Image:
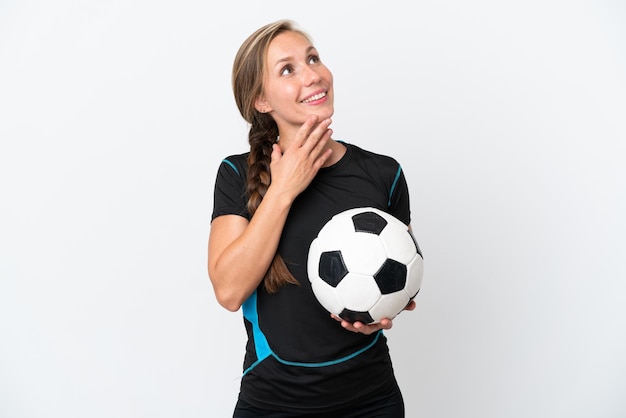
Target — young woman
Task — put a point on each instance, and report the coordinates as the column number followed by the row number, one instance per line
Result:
column 269, row 205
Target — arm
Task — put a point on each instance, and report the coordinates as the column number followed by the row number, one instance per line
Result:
column 240, row 252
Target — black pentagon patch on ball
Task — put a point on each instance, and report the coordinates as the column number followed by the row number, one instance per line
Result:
column 332, row 268
column 353, row 316
column 391, row 277
column 370, row 222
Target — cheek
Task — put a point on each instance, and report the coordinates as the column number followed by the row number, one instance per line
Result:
column 282, row 93
column 329, row 75
column 290, row 90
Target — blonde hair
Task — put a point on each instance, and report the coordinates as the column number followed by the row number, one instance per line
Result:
column 247, row 82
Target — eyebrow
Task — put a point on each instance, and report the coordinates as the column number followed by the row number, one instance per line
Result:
column 290, row 58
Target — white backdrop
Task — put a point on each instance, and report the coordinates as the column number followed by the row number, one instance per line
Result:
column 509, row 121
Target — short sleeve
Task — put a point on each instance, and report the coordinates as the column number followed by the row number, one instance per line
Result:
column 229, row 197
column 399, row 202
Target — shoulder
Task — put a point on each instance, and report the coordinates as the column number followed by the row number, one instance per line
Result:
column 373, row 160
column 236, row 163
column 365, row 153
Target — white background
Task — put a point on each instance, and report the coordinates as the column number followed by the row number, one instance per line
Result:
column 509, row 121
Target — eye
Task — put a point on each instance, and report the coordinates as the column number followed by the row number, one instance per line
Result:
column 314, row 59
column 286, row 70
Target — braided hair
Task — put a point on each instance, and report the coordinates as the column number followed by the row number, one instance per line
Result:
column 247, row 82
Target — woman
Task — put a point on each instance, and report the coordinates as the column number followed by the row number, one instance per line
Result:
column 269, row 205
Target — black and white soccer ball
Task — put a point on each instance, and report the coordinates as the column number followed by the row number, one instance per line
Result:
column 365, row 265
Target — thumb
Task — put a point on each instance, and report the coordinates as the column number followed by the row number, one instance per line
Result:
column 277, row 153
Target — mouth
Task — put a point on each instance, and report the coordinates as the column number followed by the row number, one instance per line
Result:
column 315, row 97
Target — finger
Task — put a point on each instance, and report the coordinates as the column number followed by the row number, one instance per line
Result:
column 320, row 159
column 319, row 136
column 318, row 145
column 305, row 130
column 386, row 323
column 349, row 326
column 277, row 153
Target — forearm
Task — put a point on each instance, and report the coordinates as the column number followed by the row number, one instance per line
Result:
column 237, row 269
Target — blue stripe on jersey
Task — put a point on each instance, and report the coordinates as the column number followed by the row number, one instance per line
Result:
column 232, row 165
column 330, row 363
column 393, row 186
column 262, row 347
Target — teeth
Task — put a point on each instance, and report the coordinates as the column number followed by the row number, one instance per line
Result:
column 313, row 98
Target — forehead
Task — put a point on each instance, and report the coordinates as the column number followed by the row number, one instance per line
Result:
column 287, row 45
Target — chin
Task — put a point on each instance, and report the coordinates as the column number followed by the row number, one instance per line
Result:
column 324, row 114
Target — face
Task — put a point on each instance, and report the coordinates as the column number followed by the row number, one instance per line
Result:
column 296, row 83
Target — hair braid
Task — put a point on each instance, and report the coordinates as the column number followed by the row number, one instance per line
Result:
column 247, row 81
column 263, row 134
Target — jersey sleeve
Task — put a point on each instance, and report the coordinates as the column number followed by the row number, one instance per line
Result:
column 399, row 202
column 229, row 197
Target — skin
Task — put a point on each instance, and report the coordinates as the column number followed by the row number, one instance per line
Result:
column 238, row 257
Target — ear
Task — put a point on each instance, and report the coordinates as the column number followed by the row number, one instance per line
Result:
column 262, row 105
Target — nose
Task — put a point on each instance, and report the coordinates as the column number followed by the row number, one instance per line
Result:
column 311, row 76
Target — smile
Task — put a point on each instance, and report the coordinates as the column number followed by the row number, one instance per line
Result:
column 314, row 98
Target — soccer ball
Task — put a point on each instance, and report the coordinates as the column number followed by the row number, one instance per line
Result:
column 365, row 265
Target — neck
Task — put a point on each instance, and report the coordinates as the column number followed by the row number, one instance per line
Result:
column 339, row 150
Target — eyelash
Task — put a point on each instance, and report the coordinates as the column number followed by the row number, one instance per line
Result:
column 286, row 68
column 312, row 59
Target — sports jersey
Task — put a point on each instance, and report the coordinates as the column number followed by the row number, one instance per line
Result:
column 297, row 358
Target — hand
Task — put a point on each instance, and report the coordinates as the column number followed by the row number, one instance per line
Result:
column 366, row 329
column 294, row 169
